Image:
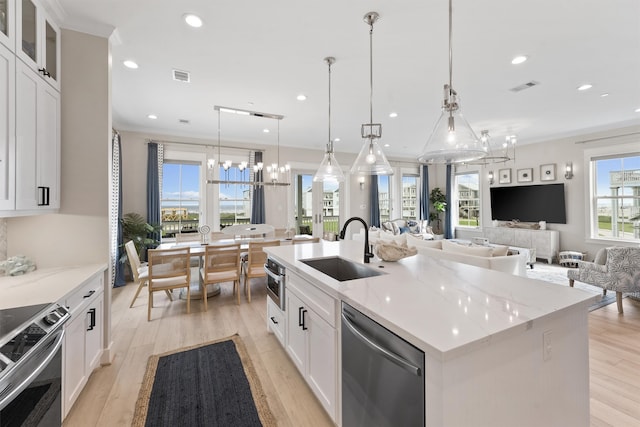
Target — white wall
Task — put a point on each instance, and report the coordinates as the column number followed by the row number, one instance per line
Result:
column 80, row 232
column 573, row 234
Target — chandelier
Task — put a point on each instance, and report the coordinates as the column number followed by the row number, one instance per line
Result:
column 371, row 160
column 496, row 153
column 452, row 139
column 329, row 169
column 278, row 175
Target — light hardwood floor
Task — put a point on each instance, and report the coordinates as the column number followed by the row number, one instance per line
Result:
column 111, row 393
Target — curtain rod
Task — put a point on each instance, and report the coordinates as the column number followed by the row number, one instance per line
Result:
column 607, row 137
column 202, row 144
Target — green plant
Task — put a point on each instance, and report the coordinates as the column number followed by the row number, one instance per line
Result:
column 143, row 234
column 439, row 202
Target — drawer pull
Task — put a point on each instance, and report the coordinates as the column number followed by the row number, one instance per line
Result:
column 89, row 294
column 273, row 319
column 92, row 319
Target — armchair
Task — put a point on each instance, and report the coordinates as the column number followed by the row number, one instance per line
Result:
column 616, row 269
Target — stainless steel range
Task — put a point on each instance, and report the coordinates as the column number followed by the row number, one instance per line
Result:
column 31, row 365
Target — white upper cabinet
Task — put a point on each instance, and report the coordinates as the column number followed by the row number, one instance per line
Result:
column 38, row 40
column 7, row 24
column 7, row 129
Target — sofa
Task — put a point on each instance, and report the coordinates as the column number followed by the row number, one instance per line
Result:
column 399, row 226
column 491, row 257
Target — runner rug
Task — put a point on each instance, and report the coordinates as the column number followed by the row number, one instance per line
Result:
column 211, row 384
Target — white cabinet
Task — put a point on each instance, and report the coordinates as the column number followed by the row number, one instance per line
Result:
column 7, row 128
column 37, row 142
column 7, row 23
column 545, row 242
column 38, row 40
column 311, row 338
column 83, row 338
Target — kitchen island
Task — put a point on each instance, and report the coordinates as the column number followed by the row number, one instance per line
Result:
column 499, row 349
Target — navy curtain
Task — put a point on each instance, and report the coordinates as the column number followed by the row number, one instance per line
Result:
column 116, row 160
column 257, row 207
column 448, row 222
column 153, row 188
column 374, row 210
column 424, row 194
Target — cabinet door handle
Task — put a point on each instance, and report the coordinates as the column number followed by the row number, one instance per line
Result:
column 92, row 319
column 44, row 72
column 273, row 319
column 43, row 196
column 300, row 315
column 89, row 294
column 304, row 328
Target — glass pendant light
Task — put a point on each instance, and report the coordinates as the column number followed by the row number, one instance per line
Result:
column 371, row 160
column 452, row 139
column 329, row 169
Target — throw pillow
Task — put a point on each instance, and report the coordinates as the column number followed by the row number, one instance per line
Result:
column 500, row 250
column 601, row 257
column 396, row 229
column 386, row 226
column 480, row 251
column 404, row 230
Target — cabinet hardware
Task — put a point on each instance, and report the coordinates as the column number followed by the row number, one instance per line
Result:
column 273, row 319
column 92, row 319
column 300, row 315
column 304, row 327
column 44, row 72
column 43, row 196
column 89, row 294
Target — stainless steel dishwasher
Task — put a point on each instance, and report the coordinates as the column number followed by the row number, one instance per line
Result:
column 382, row 375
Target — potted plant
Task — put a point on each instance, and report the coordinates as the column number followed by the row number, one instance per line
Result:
column 439, row 202
column 136, row 228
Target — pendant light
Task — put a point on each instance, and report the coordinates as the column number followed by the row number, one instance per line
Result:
column 371, row 160
column 329, row 169
column 495, row 152
column 452, row 139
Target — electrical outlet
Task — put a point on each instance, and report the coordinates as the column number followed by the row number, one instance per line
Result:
column 546, row 346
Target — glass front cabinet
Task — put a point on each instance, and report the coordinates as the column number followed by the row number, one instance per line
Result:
column 7, row 24
column 38, row 40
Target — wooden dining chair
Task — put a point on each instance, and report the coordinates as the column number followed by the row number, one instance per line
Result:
column 301, row 241
column 221, row 265
column 169, row 269
column 219, row 235
column 140, row 272
column 254, row 265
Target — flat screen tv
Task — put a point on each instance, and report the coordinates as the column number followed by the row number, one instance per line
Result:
column 529, row 203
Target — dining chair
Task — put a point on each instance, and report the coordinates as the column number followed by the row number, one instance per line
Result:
column 188, row 237
column 299, row 241
column 169, row 269
column 219, row 235
column 140, row 272
column 280, row 233
column 254, row 265
column 221, row 264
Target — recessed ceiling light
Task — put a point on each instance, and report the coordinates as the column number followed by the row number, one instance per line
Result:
column 637, row 110
column 585, row 86
column 604, row 94
column 130, row 64
column 192, row 20
column 265, row 130
column 519, row 59
column 152, row 116
column 386, row 145
column 301, row 97
column 393, row 115
column 336, row 139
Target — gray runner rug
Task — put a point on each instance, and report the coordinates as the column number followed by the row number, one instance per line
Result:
column 211, row 384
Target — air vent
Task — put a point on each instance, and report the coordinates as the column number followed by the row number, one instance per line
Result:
column 524, row 86
column 183, row 121
column 181, row 76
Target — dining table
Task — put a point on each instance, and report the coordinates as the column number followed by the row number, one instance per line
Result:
column 247, row 230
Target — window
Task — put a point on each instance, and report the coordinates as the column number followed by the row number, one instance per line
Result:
column 467, row 192
column 616, row 197
column 180, row 201
column 234, row 198
column 384, row 199
column 410, row 207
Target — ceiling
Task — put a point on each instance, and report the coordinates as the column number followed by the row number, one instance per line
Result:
column 258, row 55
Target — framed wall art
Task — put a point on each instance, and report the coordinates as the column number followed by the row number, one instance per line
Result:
column 548, row 172
column 504, row 176
column 525, row 175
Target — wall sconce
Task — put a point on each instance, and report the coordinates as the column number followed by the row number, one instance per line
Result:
column 568, row 170
column 361, row 180
column 490, row 177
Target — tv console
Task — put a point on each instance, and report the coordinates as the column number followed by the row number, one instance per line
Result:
column 545, row 242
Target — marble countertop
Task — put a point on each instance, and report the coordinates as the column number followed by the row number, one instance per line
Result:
column 442, row 307
column 47, row 285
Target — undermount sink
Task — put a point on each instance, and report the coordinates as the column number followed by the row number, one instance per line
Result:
column 341, row 269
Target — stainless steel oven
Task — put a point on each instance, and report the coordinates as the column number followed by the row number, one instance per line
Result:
column 275, row 281
column 31, row 365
